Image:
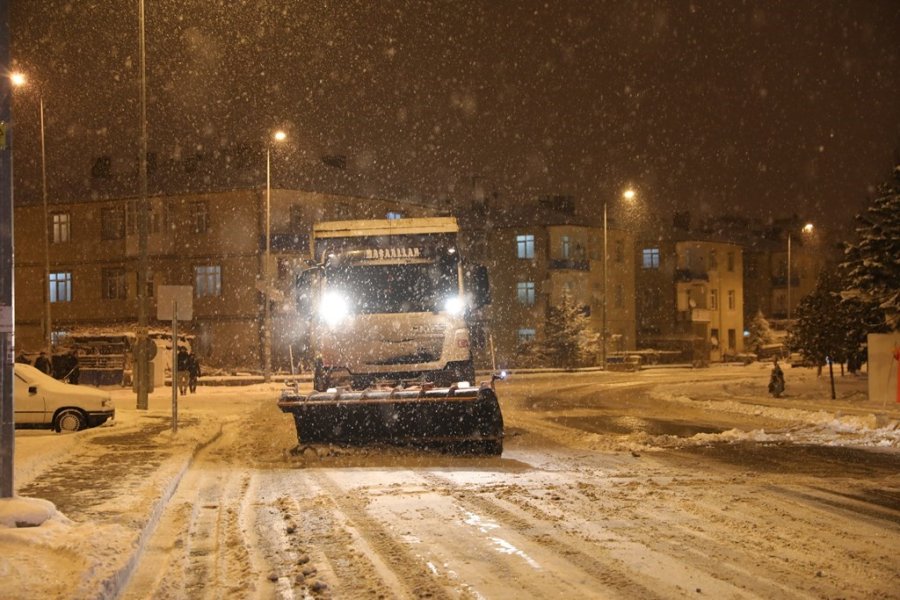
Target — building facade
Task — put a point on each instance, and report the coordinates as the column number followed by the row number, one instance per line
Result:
column 691, row 298
column 543, row 252
column 213, row 242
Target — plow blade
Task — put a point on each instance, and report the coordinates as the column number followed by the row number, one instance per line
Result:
column 465, row 419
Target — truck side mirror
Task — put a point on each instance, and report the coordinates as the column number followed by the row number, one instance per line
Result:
column 479, row 286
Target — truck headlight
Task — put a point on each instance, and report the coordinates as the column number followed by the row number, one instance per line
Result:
column 333, row 308
column 454, row 305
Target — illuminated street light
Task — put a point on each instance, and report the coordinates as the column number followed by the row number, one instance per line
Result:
column 19, row 80
column 808, row 228
column 628, row 194
column 278, row 136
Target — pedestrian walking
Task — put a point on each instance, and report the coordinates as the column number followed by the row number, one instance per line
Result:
column 182, row 364
column 193, row 371
column 776, row 380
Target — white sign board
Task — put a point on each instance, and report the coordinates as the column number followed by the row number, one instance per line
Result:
column 168, row 296
column 884, row 363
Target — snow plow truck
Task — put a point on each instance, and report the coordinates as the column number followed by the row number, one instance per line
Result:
column 388, row 308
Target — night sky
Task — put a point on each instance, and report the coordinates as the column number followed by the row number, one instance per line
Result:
column 766, row 108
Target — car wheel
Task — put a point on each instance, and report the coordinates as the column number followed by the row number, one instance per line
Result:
column 69, row 420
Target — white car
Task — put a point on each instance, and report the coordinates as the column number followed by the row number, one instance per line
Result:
column 41, row 401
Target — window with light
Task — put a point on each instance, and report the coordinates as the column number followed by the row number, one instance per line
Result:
column 525, row 246
column 650, row 258
column 207, row 281
column 525, row 292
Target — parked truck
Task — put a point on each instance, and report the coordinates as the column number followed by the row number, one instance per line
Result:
column 388, row 307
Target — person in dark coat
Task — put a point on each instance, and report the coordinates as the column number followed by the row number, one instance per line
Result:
column 74, row 370
column 193, row 372
column 42, row 363
column 23, row 359
column 182, row 362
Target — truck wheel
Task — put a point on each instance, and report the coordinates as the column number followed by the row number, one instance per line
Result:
column 69, row 420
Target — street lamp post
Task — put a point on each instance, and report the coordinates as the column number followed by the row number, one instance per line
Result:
column 278, row 136
column 806, row 229
column 18, row 80
column 628, row 194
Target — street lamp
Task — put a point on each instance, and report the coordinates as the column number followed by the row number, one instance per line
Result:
column 19, row 80
column 805, row 229
column 628, row 194
column 278, row 136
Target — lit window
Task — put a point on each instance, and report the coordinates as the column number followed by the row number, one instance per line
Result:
column 207, row 281
column 61, row 227
column 61, row 287
column 525, row 246
column 525, row 292
column 113, row 281
column 650, row 258
column 714, row 299
column 393, row 216
column 526, row 334
column 565, row 246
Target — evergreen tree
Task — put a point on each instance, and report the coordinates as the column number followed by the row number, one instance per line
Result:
column 873, row 261
column 760, row 332
column 820, row 329
column 566, row 335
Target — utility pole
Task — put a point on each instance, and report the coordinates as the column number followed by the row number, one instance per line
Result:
column 7, row 280
column 141, row 354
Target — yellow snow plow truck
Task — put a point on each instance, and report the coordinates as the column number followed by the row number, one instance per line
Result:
column 389, row 305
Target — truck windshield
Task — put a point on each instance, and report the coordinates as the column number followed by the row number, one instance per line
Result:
column 395, row 288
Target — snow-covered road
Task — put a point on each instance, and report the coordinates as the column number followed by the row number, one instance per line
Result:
column 661, row 484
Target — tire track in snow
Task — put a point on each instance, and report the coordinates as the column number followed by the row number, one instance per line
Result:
column 603, row 569
column 408, row 577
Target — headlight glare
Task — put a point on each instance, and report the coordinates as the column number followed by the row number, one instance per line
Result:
column 454, row 305
column 333, row 308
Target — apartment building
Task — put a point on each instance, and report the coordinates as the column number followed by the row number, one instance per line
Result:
column 213, row 242
column 691, row 297
column 542, row 250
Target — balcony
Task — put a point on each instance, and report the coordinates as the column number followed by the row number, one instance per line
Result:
column 694, row 315
column 701, row 315
column 689, row 275
column 570, row 264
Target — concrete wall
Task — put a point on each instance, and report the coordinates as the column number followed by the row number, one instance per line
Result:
column 883, row 367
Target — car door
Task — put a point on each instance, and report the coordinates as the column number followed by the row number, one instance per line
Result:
column 30, row 408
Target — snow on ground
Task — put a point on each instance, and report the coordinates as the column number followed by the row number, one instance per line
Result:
column 848, row 420
column 36, row 539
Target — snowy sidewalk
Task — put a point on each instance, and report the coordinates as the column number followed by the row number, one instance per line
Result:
column 109, row 486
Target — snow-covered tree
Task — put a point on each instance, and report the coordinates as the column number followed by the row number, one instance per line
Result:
column 567, row 338
column 872, row 263
column 760, row 332
column 821, row 326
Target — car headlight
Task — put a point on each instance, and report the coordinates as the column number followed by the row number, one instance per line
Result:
column 454, row 305
column 333, row 308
